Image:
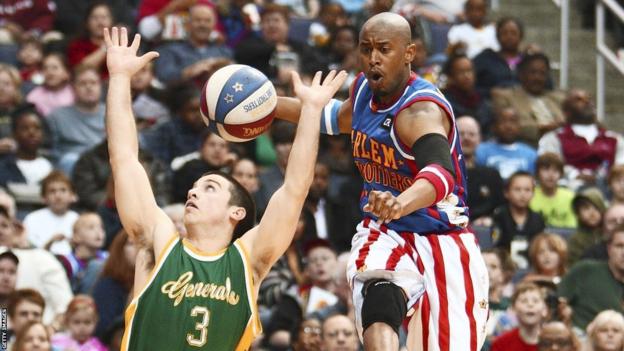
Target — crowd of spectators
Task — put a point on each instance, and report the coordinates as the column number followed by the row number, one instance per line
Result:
column 545, row 178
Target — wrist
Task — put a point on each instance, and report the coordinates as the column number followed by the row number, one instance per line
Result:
column 119, row 76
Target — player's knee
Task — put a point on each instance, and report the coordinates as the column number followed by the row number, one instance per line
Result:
column 384, row 302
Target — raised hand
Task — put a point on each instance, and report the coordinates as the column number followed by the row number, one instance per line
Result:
column 122, row 59
column 384, row 206
column 318, row 94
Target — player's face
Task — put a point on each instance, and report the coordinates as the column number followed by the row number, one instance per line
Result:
column 385, row 60
column 339, row 334
column 36, row 339
column 8, row 276
column 530, row 308
column 81, row 324
column 208, row 200
column 25, row 312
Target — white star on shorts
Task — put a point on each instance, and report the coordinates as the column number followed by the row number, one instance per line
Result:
column 229, row 98
column 237, row 87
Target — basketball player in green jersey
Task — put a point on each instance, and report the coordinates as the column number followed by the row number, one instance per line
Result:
column 201, row 292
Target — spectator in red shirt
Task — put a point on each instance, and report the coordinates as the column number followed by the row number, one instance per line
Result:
column 529, row 305
column 88, row 50
column 26, row 17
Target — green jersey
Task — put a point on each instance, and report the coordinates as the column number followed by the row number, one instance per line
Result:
column 194, row 301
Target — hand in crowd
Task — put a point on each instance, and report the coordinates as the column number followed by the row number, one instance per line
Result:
column 7, row 145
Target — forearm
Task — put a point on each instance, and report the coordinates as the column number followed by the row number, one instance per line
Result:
column 120, row 124
column 419, row 195
column 288, row 109
column 304, row 151
column 94, row 59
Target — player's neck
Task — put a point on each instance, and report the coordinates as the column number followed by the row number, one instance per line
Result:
column 208, row 241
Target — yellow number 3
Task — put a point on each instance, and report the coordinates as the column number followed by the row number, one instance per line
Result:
column 202, row 327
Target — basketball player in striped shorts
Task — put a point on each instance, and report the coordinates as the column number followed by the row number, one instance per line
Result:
column 412, row 257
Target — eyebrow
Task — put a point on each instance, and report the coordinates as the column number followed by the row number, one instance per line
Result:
column 213, row 181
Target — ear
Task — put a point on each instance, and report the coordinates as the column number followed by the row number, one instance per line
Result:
column 410, row 52
column 238, row 213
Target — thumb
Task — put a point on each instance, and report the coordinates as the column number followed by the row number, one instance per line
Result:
column 149, row 57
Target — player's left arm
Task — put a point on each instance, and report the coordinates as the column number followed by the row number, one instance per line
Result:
column 424, row 126
column 270, row 239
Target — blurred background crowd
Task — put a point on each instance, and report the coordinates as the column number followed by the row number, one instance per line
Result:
column 545, row 177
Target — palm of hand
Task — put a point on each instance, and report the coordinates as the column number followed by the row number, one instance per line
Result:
column 122, row 60
column 318, row 93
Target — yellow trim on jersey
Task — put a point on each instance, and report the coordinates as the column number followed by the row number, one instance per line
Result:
column 254, row 327
column 131, row 309
column 189, row 245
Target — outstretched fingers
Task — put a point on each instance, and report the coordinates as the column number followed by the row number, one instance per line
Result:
column 123, row 37
column 149, row 57
column 115, row 36
column 107, row 38
column 136, row 42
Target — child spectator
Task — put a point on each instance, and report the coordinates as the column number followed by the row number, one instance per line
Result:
column 475, row 34
column 34, row 337
column 589, row 208
column 505, row 152
column 56, row 90
column 548, row 257
column 606, row 332
column 530, row 308
column 615, row 181
column 22, row 172
column 498, row 303
column 80, row 320
column 56, row 219
column 553, row 202
column 29, row 58
column 514, row 223
column 84, row 263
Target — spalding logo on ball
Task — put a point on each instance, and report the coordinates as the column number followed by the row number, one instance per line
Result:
column 238, row 103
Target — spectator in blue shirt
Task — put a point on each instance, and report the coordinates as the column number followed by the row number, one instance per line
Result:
column 505, row 152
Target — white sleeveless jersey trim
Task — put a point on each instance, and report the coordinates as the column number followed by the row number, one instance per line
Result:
column 249, row 285
column 357, row 95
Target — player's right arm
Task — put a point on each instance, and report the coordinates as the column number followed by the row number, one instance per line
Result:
column 289, row 109
column 140, row 215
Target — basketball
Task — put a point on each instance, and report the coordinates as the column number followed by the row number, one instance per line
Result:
column 238, row 103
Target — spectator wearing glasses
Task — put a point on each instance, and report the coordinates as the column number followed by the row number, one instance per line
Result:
column 309, row 336
column 557, row 336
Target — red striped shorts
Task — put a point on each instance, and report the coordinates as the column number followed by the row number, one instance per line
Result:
column 444, row 277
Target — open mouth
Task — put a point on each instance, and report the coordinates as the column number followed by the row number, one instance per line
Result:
column 190, row 205
column 375, row 77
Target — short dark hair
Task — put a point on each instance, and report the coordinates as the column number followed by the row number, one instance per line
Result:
column 4, row 212
column 55, row 176
column 23, row 110
column 529, row 58
column 515, row 175
column 20, row 295
column 239, row 197
column 275, row 8
column 549, row 159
